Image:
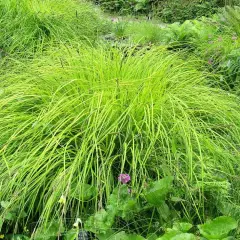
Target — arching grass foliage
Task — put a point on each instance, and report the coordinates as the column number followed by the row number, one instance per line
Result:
column 80, row 117
column 28, row 26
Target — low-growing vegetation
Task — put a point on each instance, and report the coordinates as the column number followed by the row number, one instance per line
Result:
column 30, row 26
column 117, row 128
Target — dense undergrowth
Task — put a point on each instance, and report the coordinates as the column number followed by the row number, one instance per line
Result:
column 169, row 11
column 117, row 130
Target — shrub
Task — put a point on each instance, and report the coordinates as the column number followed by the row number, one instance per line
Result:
column 71, row 122
column 181, row 10
column 127, row 6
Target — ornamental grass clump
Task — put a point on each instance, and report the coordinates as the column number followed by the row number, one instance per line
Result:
column 72, row 122
column 28, row 26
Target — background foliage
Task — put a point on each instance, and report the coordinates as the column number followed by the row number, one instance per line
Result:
column 167, row 11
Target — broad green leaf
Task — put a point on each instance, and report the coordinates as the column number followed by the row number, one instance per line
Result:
column 169, row 235
column 182, row 226
column 100, row 222
column 122, row 203
column 152, row 236
column 83, row 193
column 135, row 237
column 158, row 190
column 124, row 236
column 164, row 211
column 71, row 234
column 106, row 235
column 12, row 215
column 176, row 199
column 218, row 228
column 50, row 231
column 184, row 236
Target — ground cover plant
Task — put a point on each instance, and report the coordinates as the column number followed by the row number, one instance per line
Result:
column 75, row 119
column 29, row 26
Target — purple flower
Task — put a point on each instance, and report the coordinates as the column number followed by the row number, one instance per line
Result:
column 124, row 178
